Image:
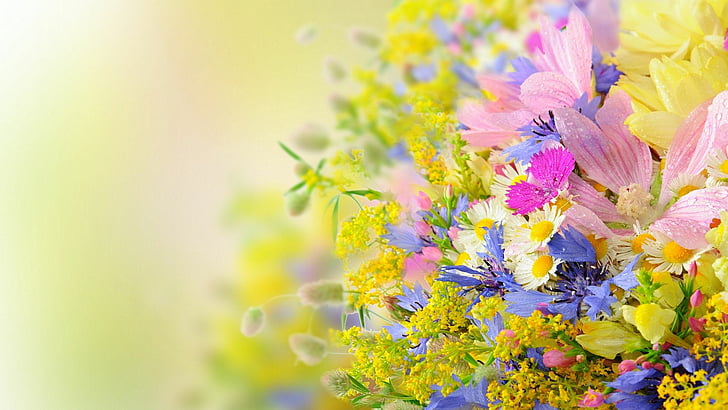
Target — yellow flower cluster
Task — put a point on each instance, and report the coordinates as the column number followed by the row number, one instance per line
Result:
column 533, row 331
column 444, row 358
column 445, row 313
column 358, row 233
column 376, row 354
column 560, row 387
column 713, row 345
column 375, row 278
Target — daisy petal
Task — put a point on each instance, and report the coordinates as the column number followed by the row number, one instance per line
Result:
column 688, row 220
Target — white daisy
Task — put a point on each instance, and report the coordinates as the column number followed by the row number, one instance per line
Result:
column 535, row 269
column 537, row 232
column 482, row 216
column 685, row 183
column 668, row 255
column 512, row 174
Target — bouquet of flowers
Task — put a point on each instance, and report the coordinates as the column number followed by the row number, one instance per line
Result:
column 541, row 203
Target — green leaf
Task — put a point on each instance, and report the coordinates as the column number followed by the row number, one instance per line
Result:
column 290, row 152
column 357, row 385
column 297, row 186
column 335, row 217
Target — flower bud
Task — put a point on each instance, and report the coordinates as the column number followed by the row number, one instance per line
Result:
column 334, row 71
column 309, row 349
column 627, row 366
column 306, row 34
column 400, row 405
column 432, row 253
column 696, row 299
column 253, row 321
column 697, row 325
column 321, row 292
column 364, row 37
column 336, row 382
column 557, row 358
column 592, row 398
column 423, row 201
column 297, row 202
column 312, row 137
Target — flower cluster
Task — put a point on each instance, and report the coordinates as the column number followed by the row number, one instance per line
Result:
column 543, row 207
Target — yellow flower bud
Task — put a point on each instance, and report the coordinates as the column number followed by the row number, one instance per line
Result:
column 652, row 321
column 606, row 339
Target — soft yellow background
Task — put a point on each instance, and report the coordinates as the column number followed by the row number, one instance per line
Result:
column 125, row 129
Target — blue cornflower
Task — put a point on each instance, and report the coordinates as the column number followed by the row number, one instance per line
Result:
column 412, row 299
column 587, row 108
column 466, row 395
column 523, row 68
column 637, row 390
column 600, row 300
column 627, row 280
column 575, row 282
column 607, row 75
column 404, row 237
column 679, row 357
column 465, row 73
column 442, row 31
column 572, row 246
column 486, row 281
column 423, row 73
column 537, row 132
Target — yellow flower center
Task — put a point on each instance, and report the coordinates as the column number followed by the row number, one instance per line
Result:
column 724, row 167
column 686, row 190
column 639, row 241
column 462, row 258
column 542, row 266
column 675, row 253
column 541, row 231
column 599, row 244
column 482, row 226
column 518, row 179
column 562, row 204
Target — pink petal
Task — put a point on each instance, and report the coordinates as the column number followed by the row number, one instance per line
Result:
column 688, row 220
column 604, row 23
column 505, row 93
column 568, row 52
column 547, row 91
column 611, row 118
column 682, row 149
column 488, row 129
column 584, row 194
column 525, row 197
column 609, row 161
column 551, row 167
column 586, row 221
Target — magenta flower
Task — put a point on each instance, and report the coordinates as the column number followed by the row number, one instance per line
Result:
column 548, row 175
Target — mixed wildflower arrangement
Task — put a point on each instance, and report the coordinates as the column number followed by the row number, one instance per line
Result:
column 542, row 208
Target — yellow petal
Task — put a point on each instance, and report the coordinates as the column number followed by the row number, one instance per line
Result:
column 606, row 339
column 656, row 128
column 652, row 321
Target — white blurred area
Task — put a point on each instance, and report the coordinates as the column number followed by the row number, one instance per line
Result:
column 125, row 129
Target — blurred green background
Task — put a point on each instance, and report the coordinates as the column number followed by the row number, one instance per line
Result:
column 126, row 130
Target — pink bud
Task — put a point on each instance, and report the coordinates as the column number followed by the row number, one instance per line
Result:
column 448, row 191
column 424, row 201
column 592, row 398
column 453, row 232
column 557, row 358
column 696, row 325
column 696, row 299
column 454, row 48
column 508, row 333
column 432, row 253
column 693, row 270
column 422, row 228
column 659, row 367
column 646, row 365
column 468, row 11
column 627, row 366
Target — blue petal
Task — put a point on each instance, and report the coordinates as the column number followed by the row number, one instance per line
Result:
column 570, row 245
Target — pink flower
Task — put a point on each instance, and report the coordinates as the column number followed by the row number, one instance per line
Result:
column 548, row 175
column 557, row 358
column 627, row 366
column 592, row 398
column 432, row 253
column 696, row 325
column 696, row 299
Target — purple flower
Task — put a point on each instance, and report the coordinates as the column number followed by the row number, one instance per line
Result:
column 572, row 246
column 600, row 300
column 403, row 237
column 412, row 299
column 626, row 280
column 537, row 133
column 607, row 75
column 548, row 174
column 523, row 68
